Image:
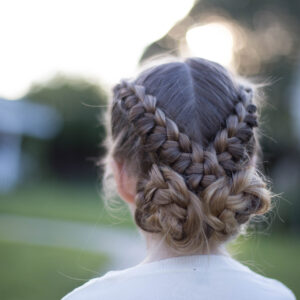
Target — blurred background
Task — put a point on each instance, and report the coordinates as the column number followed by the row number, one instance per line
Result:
column 58, row 61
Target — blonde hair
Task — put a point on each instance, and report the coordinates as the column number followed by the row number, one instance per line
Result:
column 187, row 131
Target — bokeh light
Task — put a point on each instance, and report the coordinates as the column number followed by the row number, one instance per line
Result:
column 212, row 41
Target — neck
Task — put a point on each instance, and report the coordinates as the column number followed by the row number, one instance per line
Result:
column 158, row 249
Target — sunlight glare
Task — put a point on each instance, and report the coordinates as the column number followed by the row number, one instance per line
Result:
column 213, row 41
column 100, row 40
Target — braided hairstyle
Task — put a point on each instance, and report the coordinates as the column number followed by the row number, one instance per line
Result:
column 187, row 130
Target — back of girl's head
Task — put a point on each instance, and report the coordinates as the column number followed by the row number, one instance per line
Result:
column 186, row 131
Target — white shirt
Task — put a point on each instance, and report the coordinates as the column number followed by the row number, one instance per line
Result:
column 183, row 278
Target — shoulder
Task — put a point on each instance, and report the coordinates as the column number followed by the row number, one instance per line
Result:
column 271, row 288
column 259, row 286
column 127, row 283
column 275, row 288
column 92, row 287
column 230, row 281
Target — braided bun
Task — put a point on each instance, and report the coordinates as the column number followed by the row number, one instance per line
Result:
column 195, row 184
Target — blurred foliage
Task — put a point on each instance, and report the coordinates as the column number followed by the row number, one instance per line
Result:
column 52, row 199
column 72, row 153
column 40, row 272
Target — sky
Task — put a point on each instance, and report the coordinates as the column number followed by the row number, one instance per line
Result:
column 100, row 40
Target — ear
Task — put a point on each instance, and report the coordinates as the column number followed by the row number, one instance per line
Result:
column 126, row 184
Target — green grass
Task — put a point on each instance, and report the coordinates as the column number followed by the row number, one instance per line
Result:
column 275, row 256
column 36, row 272
column 73, row 202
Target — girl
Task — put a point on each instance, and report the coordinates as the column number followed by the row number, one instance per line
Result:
column 184, row 151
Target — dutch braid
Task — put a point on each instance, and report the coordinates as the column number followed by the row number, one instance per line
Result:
column 183, row 171
column 190, row 192
column 161, row 136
